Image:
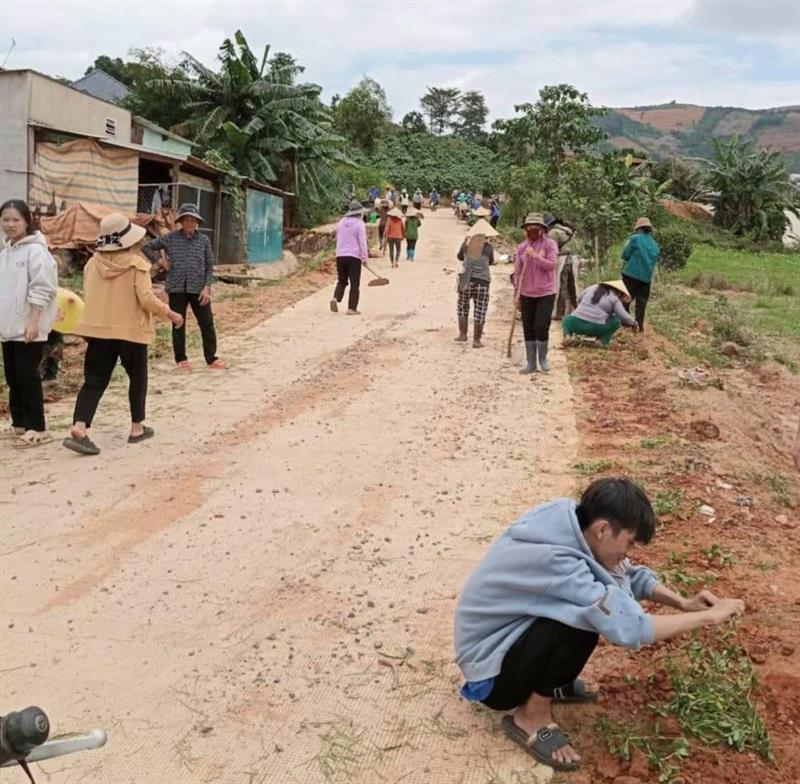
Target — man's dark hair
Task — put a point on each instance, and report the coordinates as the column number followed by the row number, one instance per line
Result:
column 623, row 503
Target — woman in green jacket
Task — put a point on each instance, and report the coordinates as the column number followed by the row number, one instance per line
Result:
column 413, row 222
column 641, row 254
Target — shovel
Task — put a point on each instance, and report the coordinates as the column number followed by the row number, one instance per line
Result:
column 379, row 281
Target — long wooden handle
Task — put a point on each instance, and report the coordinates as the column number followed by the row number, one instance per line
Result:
column 511, row 331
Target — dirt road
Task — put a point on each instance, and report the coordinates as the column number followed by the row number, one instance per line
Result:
column 264, row 592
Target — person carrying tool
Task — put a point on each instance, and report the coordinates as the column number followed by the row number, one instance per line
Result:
column 535, row 289
column 476, row 254
column 351, row 252
column 641, row 254
column 568, row 267
column 532, row 612
column 189, row 277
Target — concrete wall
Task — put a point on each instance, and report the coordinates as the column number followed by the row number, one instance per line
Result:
column 63, row 108
column 14, row 98
column 153, row 140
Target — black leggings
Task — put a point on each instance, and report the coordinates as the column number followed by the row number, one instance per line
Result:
column 178, row 301
column 21, row 364
column 348, row 270
column 98, row 365
column 639, row 291
column 394, row 249
column 548, row 655
column 536, row 313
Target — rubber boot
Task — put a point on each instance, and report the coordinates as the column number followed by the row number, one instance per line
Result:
column 476, row 336
column 463, row 325
column 544, row 363
column 412, row 252
column 530, row 353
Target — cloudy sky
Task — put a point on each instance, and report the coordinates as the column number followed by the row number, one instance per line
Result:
column 621, row 52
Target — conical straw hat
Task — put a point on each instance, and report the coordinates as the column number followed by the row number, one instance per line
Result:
column 619, row 286
column 484, row 228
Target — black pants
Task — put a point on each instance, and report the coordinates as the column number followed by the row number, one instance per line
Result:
column 394, row 249
column 494, row 220
column 178, row 301
column 411, row 244
column 21, row 365
column 549, row 654
column 98, row 365
column 348, row 270
column 536, row 313
column 640, row 291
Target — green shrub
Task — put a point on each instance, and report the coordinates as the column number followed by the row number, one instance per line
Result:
column 676, row 247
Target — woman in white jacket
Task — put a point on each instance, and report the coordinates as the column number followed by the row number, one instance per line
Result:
column 28, row 281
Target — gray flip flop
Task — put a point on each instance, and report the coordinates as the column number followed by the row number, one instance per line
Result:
column 83, row 446
column 574, row 692
column 541, row 745
column 146, row 433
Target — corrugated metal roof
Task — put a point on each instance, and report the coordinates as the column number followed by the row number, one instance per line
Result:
column 101, row 85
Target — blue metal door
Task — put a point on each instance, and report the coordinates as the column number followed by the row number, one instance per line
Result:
column 264, row 227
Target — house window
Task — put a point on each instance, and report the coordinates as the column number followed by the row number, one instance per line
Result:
column 111, row 127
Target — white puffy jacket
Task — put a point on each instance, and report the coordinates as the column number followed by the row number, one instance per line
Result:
column 28, row 277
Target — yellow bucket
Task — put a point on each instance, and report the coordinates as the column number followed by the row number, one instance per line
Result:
column 70, row 311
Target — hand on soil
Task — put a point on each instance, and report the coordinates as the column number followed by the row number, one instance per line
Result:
column 725, row 609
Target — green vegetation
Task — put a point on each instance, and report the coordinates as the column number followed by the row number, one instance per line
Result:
column 668, row 501
column 592, row 467
column 676, row 247
column 712, row 700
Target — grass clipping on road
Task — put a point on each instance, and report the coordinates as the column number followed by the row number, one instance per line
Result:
column 713, row 683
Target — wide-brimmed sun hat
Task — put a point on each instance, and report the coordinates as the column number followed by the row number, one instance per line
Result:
column 619, row 286
column 482, row 227
column 355, row 208
column 395, row 212
column 481, row 212
column 118, row 233
column 189, row 211
column 643, row 223
column 413, row 212
column 534, row 219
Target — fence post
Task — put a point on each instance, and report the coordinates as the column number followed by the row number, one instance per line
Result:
column 597, row 257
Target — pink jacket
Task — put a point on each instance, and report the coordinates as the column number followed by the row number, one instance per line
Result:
column 539, row 262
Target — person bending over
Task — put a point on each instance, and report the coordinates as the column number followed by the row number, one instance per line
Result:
column 530, row 615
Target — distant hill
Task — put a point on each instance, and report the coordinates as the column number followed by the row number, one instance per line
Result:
column 685, row 129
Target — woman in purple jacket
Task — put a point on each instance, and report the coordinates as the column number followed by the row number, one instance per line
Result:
column 599, row 312
column 351, row 253
column 535, row 289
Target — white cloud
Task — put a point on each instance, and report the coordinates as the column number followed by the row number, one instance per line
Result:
column 506, row 49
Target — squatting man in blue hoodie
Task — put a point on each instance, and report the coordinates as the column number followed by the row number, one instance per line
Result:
column 530, row 615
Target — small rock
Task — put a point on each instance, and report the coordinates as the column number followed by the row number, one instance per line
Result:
column 705, row 509
column 758, row 658
column 422, row 610
column 724, row 485
column 787, row 649
column 206, row 728
column 745, row 501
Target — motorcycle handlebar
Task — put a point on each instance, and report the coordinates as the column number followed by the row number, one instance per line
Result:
column 21, row 732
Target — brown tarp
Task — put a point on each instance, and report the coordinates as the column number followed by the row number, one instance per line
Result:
column 83, row 171
column 79, row 225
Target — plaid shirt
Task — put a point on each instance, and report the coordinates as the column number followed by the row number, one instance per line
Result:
column 191, row 261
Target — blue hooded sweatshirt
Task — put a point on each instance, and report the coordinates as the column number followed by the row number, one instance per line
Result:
column 541, row 567
column 641, row 254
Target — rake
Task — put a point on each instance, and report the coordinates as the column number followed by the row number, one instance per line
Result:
column 379, row 281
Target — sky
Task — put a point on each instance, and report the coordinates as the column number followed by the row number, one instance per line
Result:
column 621, row 52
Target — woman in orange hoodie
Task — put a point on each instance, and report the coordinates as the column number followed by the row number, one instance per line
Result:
column 118, row 325
column 395, row 234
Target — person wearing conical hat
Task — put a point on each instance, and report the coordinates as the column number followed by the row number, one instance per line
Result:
column 600, row 311
column 395, row 234
column 189, row 278
column 476, row 255
column 118, row 326
column 352, row 252
column 535, row 289
column 641, row 254
column 413, row 222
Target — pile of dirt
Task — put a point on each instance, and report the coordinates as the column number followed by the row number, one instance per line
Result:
column 688, row 210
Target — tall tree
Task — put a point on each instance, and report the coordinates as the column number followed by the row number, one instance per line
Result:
column 148, row 96
column 362, row 115
column 113, row 66
column 441, row 106
column 558, row 125
column 414, row 122
column 472, row 114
